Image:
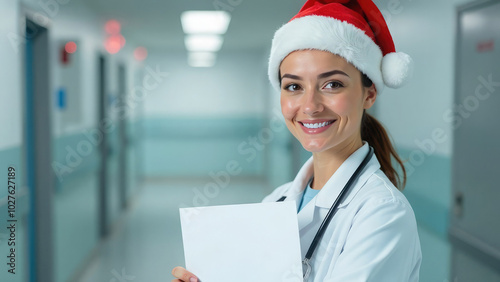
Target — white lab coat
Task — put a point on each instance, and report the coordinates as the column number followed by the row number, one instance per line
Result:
column 372, row 237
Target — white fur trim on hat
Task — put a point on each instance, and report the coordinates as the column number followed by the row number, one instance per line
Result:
column 327, row 34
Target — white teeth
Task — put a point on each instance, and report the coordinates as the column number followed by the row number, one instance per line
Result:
column 317, row 125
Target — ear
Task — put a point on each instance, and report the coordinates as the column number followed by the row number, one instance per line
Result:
column 369, row 96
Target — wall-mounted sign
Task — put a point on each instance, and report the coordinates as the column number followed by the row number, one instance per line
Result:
column 485, row 46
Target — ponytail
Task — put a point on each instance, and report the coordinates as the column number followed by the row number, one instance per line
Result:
column 375, row 134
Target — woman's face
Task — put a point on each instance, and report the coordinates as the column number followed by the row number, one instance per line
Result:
column 322, row 99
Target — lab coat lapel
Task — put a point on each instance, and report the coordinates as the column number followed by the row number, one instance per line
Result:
column 307, row 225
column 298, row 185
column 306, row 215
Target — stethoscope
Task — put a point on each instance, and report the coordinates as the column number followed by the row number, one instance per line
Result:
column 306, row 263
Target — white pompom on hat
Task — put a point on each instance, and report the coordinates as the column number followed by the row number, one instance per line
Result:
column 352, row 29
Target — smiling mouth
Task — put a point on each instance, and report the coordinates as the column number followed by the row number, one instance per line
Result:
column 317, row 125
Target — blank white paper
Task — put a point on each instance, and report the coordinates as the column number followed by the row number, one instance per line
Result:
column 247, row 243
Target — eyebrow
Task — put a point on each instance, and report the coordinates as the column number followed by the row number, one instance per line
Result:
column 322, row 75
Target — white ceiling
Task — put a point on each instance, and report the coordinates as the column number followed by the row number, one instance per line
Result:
column 156, row 24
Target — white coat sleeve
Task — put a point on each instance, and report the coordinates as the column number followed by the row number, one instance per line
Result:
column 382, row 245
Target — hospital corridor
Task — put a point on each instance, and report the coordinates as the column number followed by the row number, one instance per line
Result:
column 126, row 123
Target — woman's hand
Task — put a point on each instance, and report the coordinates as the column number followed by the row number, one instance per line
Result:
column 183, row 275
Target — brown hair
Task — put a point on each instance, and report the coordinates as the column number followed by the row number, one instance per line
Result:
column 375, row 134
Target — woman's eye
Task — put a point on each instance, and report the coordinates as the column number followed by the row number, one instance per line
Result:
column 334, row 85
column 292, row 87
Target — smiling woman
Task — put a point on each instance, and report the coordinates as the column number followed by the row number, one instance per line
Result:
column 329, row 63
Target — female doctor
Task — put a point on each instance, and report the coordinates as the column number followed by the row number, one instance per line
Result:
column 330, row 62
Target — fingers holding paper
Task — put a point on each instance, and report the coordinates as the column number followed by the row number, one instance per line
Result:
column 183, row 275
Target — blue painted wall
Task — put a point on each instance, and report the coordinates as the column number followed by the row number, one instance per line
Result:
column 184, row 147
column 428, row 188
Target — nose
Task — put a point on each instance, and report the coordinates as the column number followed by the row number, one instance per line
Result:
column 312, row 103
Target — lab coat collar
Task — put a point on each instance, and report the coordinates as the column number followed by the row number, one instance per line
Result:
column 333, row 186
column 338, row 180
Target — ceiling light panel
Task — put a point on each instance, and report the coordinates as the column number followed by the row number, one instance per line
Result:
column 208, row 43
column 196, row 22
column 201, row 59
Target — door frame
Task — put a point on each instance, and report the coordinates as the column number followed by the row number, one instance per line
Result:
column 123, row 136
column 37, row 140
column 103, row 147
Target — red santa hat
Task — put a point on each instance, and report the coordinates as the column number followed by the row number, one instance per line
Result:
column 352, row 29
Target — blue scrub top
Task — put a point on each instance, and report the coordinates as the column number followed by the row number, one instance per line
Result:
column 308, row 195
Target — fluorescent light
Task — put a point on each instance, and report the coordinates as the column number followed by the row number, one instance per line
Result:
column 208, row 43
column 201, row 59
column 214, row 22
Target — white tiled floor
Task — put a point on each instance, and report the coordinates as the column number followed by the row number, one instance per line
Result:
column 147, row 243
